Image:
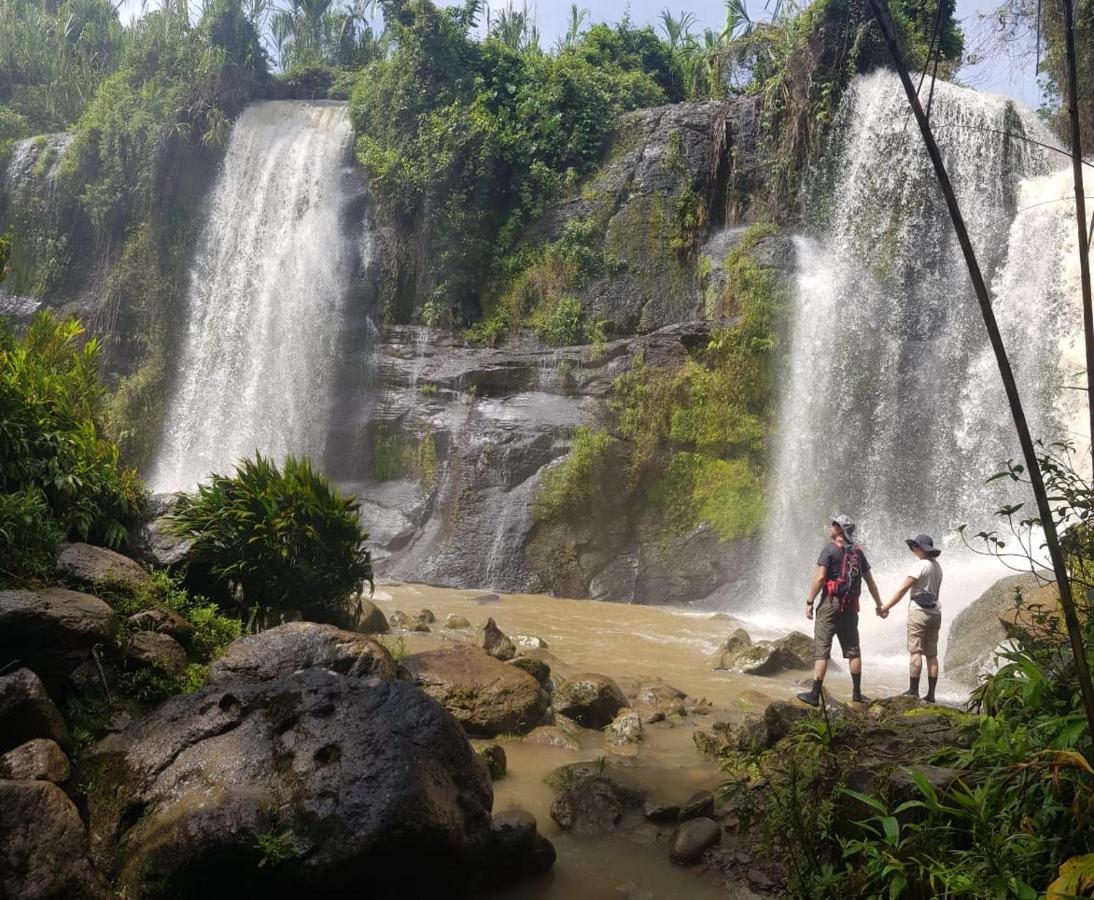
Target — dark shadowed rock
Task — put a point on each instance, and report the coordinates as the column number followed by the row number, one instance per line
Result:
column 150, row 649
column 400, row 619
column 493, row 756
column 329, row 782
column 38, row 760
column 537, row 668
column 27, row 712
column 698, row 805
column 427, row 616
column 487, row 696
column 692, row 839
column 660, row 810
column 97, row 565
column 165, row 621
column 52, row 631
column 43, row 846
column 780, row 718
column 903, row 787
column 577, row 776
column 301, row 645
column 593, row 809
column 517, row 849
column 590, row 699
column 494, row 641
column 368, row 618
column 753, row 735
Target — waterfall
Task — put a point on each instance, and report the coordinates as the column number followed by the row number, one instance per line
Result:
column 891, row 407
column 256, row 366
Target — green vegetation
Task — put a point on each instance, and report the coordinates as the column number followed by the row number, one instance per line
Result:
column 396, row 454
column 277, row 538
column 465, row 140
column 59, row 477
column 568, row 487
column 1019, row 810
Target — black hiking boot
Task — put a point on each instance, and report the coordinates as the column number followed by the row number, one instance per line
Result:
column 931, row 682
column 812, row 696
column 913, row 688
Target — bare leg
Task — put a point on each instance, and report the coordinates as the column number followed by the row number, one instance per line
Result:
column 932, row 666
column 820, row 667
column 915, row 666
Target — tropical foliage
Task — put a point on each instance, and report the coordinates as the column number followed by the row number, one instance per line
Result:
column 276, row 538
column 59, row 477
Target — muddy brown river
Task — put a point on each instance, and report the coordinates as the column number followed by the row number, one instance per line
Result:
column 630, row 644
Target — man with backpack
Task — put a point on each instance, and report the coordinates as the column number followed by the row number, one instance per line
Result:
column 841, row 569
column 924, row 580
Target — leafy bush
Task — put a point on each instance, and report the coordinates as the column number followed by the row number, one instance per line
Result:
column 277, row 538
column 466, row 140
column 568, row 487
column 58, row 476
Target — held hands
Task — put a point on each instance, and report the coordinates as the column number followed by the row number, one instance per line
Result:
column 882, row 612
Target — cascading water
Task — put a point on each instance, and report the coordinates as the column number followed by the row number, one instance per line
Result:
column 891, row 408
column 257, row 364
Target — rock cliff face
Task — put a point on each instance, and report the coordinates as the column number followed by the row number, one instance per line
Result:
column 447, row 443
column 457, row 443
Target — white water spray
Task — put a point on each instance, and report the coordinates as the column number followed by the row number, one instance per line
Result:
column 892, row 409
column 268, row 286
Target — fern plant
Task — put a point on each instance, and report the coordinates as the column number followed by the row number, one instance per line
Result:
column 276, row 539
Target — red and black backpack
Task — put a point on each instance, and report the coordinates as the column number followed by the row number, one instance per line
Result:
column 847, row 586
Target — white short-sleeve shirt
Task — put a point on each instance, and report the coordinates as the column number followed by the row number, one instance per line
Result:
column 928, row 577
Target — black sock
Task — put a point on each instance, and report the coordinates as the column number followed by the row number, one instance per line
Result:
column 856, row 681
column 913, row 684
column 931, row 682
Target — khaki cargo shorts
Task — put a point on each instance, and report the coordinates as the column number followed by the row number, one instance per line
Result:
column 828, row 623
column 923, row 628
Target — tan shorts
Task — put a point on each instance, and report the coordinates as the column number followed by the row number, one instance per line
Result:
column 923, row 628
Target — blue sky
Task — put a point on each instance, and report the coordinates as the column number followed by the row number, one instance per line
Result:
column 1000, row 75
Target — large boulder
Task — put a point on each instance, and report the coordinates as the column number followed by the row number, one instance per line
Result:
column 517, row 848
column 154, row 542
column 51, row 631
column 43, row 846
column 310, row 783
column 589, row 699
column 486, row 695
column 978, row 630
column 97, row 565
column 27, row 712
column 301, row 645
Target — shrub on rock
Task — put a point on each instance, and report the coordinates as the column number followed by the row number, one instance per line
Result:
column 283, row 538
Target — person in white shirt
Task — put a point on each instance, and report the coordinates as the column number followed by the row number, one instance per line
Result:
column 924, row 581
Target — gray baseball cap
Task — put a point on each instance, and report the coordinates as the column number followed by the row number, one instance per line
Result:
column 846, row 526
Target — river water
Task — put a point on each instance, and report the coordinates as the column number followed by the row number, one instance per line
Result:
column 630, row 644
